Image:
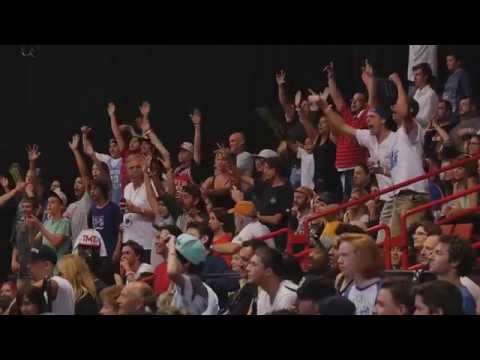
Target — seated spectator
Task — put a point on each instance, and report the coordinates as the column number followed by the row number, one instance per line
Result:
column 361, row 177
column 5, row 303
column 240, row 303
column 307, row 162
column 260, row 161
column 438, row 298
column 473, row 145
column 361, row 261
column 244, row 160
column 30, row 301
column 324, row 202
column 131, row 266
column 186, row 257
column 311, row 292
column 221, row 283
column 420, row 232
column 266, row 270
column 133, row 299
column 193, row 207
column 247, row 226
column 74, row 269
column 395, row 298
column 441, row 123
column 222, row 225
column 336, row 305
column 108, row 297
column 452, row 259
column 9, row 288
column 358, row 214
column 161, row 280
column 319, row 262
column 469, row 123
column 301, row 209
column 57, row 291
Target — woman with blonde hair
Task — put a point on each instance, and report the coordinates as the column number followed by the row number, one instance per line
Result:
column 361, row 260
column 74, row 269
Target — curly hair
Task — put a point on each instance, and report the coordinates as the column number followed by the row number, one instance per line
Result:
column 459, row 251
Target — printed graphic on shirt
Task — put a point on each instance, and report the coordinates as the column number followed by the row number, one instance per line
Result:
column 98, row 222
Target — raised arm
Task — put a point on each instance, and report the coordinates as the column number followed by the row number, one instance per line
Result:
column 303, row 115
column 282, row 93
column 174, row 267
column 335, row 93
column 152, row 199
column 115, row 128
column 401, row 107
column 197, row 140
column 81, row 165
column 371, row 84
column 12, row 193
column 55, row 239
column 148, row 131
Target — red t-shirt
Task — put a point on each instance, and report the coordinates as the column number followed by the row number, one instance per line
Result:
column 349, row 153
column 161, row 280
column 226, row 238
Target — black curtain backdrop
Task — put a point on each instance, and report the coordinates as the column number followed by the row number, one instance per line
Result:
column 45, row 100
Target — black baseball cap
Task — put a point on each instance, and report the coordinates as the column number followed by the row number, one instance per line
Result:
column 316, row 288
column 44, row 253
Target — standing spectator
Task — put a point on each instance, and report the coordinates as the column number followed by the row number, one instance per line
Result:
column 458, row 84
column 192, row 204
column 74, row 269
column 406, row 160
column 425, row 96
column 244, row 159
column 131, row 265
column 30, row 301
column 361, row 261
column 357, row 214
column 395, row 298
column 349, row 153
column 301, row 210
column 438, row 298
column 469, row 123
column 307, row 162
column 436, row 136
column 161, row 281
column 58, row 292
column 109, row 298
column 311, row 292
column 266, row 270
column 138, row 216
column 418, row 54
column 55, row 231
column 451, row 259
column 186, row 257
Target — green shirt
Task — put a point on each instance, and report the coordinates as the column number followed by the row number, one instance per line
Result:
column 59, row 227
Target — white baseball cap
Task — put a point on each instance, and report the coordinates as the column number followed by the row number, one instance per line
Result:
column 187, row 146
column 91, row 238
column 266, row 154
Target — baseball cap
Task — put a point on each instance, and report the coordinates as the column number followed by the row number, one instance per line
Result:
column 245, row 208
column 316, row 288
column 266, row 154
column 378, row 111
column 44, row 253
column 59, row 195
column 191, row 248
column 187, row 146
column 89, row 237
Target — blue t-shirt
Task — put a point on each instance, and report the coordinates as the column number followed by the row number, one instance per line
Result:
column 469, row 305
column 106, row 221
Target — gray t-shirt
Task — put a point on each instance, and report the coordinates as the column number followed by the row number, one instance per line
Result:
column 245, row 163
column 195, row 297
column 77, row 213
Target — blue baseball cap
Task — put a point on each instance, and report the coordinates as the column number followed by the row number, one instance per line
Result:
column 378, row 111
column 191, row 249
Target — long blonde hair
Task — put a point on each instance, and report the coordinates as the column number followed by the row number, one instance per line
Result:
column 74, row 269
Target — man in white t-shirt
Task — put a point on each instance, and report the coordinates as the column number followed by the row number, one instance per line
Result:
column 138, row 216
column 406, row 160
column 418, row 54
column 379, row 141
column 426, row 97
column 247, row 227
column 266, row 270
column 58, row 292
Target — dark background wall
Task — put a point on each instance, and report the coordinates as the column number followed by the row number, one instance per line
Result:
column 45, row 100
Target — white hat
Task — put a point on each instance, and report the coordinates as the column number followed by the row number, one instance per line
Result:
column 187, row 146
column 61, row 195
column 91, row 238
column 266, row 154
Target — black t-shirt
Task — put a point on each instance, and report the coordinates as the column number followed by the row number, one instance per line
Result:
column 107, row 222
column 86, row 306
column 326, row 176
column 274, row 200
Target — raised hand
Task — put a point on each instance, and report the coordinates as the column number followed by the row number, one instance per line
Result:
column 85, row 130
column 298, row 99
column 111, row 108
column 367, row 72
column 329, row 70
column 20, row 186
column 280, row 77
column 196, row 117
column 33, row 153
column 144, row 124
column 395, row 78
column 145, row 108
column 89, row 150
column 4, row 182
column 74, row 143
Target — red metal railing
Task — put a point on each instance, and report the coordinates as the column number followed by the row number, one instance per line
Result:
column 404, row 216
column 386, row 244
column 458, row 215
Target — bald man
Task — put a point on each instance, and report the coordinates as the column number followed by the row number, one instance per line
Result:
column 134, row 298
column 244, row 158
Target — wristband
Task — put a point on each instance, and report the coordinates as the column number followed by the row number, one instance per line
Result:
column 130, row 273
